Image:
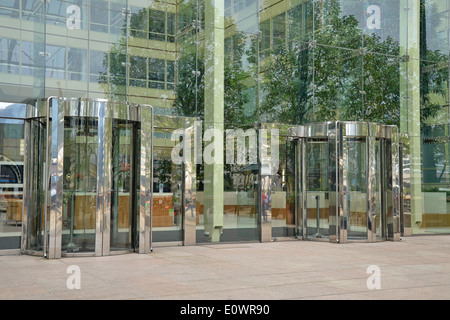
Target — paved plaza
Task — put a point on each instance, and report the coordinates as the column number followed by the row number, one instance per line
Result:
column 415, row 268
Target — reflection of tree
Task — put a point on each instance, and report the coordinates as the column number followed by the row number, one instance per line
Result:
column 340, row 72
column 433, row 84
column 163, row 170
column 328, row 76
column 115, row 70
column 115, row 62
column 433, row 63
column 191, row 85
column 336, row 72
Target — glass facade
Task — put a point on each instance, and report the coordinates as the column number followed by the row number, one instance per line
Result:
column 11, row 178
column 232, row 67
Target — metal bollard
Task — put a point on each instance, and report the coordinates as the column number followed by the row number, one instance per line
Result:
column 318, row 217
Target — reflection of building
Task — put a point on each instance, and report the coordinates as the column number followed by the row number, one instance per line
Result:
column 235, row 64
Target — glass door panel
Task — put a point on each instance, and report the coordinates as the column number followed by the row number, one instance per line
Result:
column 298, row 189
column 168, row 196
column 284, row 220
column 168, row 183
column 34, row 190
column 136, row 185
column 80, row 184
column 122, row 214
column 387, row 187
column 379, row 221
column 317, row 188
column 357, row 188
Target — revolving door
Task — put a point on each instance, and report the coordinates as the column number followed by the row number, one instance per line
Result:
column 88, row 180
column 347, row 184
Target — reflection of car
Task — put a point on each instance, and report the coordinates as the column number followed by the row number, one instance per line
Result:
column 11, row 172
column 11, row 176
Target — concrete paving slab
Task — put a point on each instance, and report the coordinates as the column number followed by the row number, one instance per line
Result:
column 415, row 268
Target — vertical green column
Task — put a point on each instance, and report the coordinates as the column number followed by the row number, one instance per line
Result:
column 410, row 102
column 214, row 117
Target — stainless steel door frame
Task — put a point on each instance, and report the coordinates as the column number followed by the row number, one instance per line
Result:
column 335, row 176
column 338, row 133
column 393, row 213
column 298, row 149
column 146, row 179
column 264, row 203
column 104, row 179
column 191, row 135
column 33, row 188
column 57, row 108
column 330, row 131
column 54, row 179
column 373, row 134
column 304, row 198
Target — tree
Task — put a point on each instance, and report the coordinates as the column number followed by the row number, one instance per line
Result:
column 433, row 83
column 190, row 88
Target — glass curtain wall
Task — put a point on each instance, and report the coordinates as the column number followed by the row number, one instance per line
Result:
column 233, row 64
column 22, row 65
column 111, row 49
column 217, row 84
column 434, row 40
column 367, row 61
column 11, row 176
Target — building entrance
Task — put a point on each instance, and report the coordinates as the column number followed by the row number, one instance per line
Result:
column 346, row 180
column 88, row 186
column 88, row 180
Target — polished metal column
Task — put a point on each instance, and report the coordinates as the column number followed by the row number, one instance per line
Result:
column 395, row 235
column 106, row 140
column 265, row 187
column 342, row 182
column 189, row 199
column 371, row 182
column 27, row 189
column 104, row 179
column 100, row 190
column 33, row 227
column 333, row 173
column 304, row 197
column 298, row 187
column 404, row 179
column 146, row 179
column 55, row 166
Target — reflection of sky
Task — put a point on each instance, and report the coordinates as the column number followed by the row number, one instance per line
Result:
column 389, row 16
column 13, row 110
